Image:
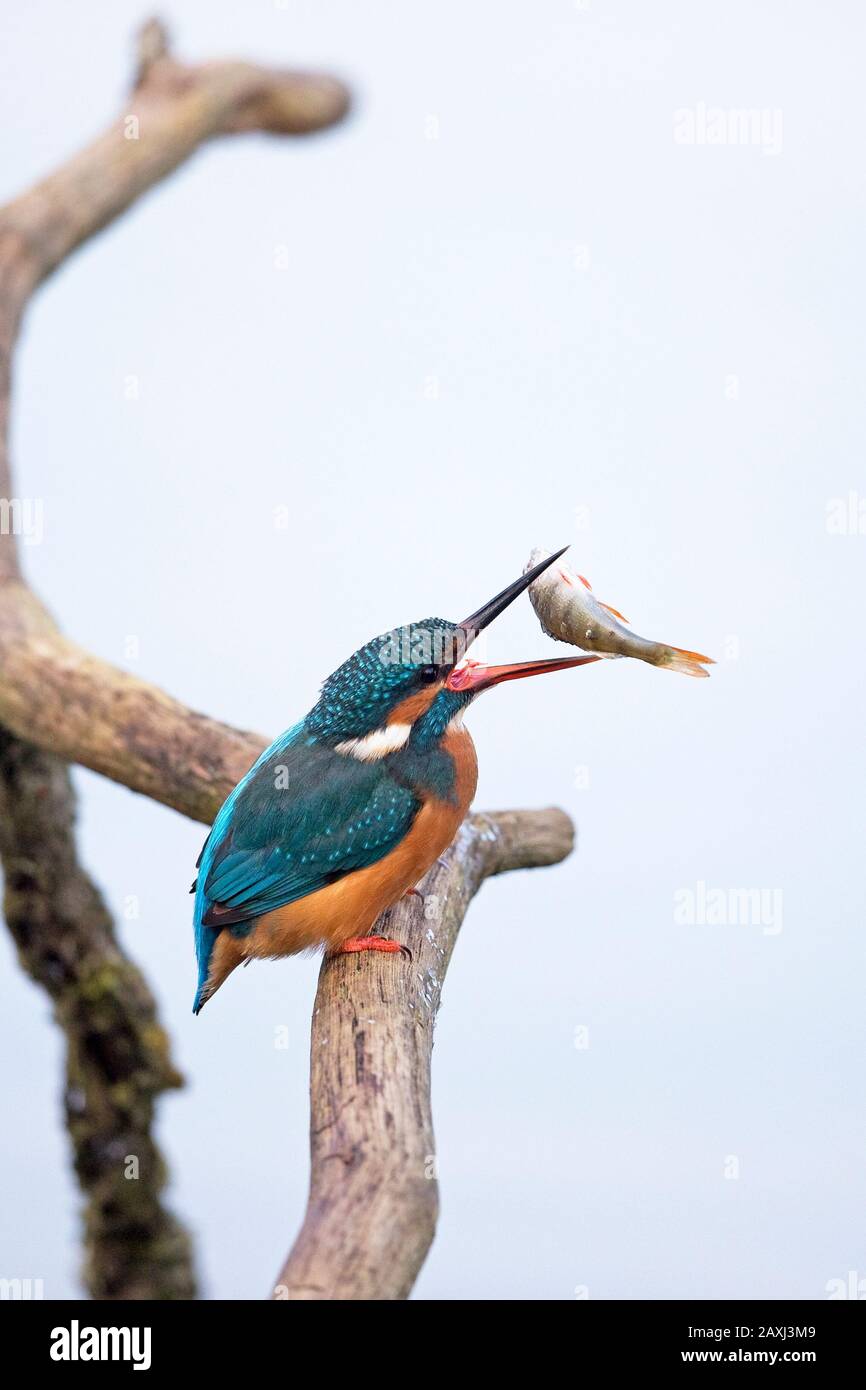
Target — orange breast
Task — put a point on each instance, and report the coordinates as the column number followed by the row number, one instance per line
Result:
column 350, row 906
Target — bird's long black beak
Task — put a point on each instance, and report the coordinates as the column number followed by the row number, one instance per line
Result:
column 483, row 616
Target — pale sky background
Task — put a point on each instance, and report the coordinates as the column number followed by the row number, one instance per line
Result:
column 652, row 350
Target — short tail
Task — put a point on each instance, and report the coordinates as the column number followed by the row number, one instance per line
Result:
column 225, row 954
column 689, row 663
column 202, row 995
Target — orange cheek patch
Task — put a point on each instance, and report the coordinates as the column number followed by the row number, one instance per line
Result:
column 414, row 705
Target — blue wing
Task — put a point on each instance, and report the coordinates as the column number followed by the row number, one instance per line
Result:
column 301, row 818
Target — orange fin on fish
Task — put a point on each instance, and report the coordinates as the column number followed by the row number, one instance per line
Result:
column 615, row 611
column 689, row 663
column 585, row 582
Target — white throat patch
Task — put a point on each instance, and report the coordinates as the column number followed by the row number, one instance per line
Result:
column 376, row 745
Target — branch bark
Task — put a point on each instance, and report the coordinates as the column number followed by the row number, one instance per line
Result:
column 52, row 693
column 173, row 109
column 78, row 709
column 373, row 1198
column 373, row 1195
column 117, row 1055
column 63, row 699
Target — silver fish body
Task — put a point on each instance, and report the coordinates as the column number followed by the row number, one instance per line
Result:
column 569, row 612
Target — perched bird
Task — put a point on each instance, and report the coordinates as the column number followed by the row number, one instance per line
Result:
column 347, row 810
column 569, row 612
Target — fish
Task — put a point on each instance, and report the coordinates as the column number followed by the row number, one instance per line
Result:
column 569, row 612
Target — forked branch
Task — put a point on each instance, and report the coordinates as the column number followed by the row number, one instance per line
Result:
column 373, row 1195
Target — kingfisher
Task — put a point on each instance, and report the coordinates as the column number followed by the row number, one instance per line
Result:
column 347, row 810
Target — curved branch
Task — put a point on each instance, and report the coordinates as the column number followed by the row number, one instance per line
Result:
column 373, row 1198
column 117, row 1055
column 52, row 693
column 373, row 1193
column 55, row 695
column 59, row 697
column 172, row 110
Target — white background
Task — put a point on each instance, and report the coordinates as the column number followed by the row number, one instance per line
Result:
column 652, row 350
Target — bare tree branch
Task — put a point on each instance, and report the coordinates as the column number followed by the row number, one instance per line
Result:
column 373, row 1198
column 373, row 1193
column 58, row 696
column 78, row 709
column 173, row 109
column 117, row 1061
column 52, row 693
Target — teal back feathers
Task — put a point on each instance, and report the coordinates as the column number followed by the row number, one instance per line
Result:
column 306, row 814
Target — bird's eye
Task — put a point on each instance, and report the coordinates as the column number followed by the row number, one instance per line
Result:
column 428, row 673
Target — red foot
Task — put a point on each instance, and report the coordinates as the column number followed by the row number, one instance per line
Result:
column 371, row 943
column 413, row 893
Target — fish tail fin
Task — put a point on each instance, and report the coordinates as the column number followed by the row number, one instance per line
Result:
column 688, row 663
